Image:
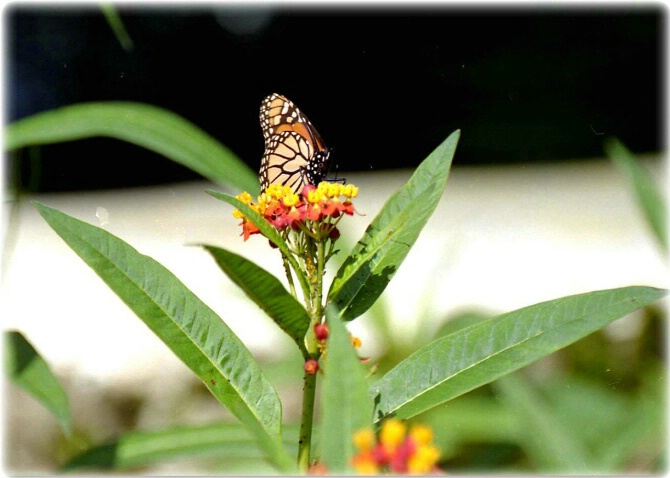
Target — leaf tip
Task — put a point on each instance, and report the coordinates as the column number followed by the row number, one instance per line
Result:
column 41, row 208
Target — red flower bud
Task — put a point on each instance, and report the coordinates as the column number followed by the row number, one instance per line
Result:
column 321, row 332
column 306, row 189
column 311, row 366
column 380, row 454
column 317, row 469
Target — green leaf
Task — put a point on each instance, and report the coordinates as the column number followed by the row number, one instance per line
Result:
column 116, row 24
column 642, row 429
column 376, row 257
column 479, row 354
column 227, row 441
column 346, row 405
column 268, row 231
column 145, row 125
column 648, row 196
column 266, row 291
column 546, row 440
column 27, row 369
column 184, row 323
column 471, row 419
column 585, row 408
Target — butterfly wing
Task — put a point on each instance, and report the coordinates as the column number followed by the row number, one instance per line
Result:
column 295, row 154
column 285, row 160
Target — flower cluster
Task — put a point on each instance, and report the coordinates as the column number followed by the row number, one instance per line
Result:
column 315, row 210
column 395, row 451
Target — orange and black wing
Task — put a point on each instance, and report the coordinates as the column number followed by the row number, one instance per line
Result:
column 295, row 154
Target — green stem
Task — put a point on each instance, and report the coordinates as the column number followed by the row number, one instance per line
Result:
column 320, row 265
column 315, row 259
column 305, row 440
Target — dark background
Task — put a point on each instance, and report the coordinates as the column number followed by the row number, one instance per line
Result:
column 384, row 86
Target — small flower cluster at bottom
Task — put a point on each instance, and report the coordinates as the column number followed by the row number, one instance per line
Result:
column 396, row 451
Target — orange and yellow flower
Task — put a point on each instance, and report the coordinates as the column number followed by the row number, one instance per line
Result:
column 315, row 204
column 396, row 451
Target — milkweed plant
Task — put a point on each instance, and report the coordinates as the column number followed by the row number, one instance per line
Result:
column 359, row 422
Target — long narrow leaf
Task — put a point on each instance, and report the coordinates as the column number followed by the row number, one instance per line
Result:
column 266, row 291
column 116, row 24
column 27, row 369
column 145, row 125
column 375, row 259
column 644, row 427
column 346, row 405
column 479, row 354
column 184, row 323
column 229, row 441
column 648, row 196
column 547, row 442
column 474, row 419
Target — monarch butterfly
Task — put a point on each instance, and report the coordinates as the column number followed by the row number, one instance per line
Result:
column 295, row 154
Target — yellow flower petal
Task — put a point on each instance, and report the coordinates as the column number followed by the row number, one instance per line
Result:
column 423, row 460
column 314, row 196
column 422, row 434
column 364, row 439
column 392, row 432
column 244, row 197
column 291, row 200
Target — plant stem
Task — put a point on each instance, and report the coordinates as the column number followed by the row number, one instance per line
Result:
column 314, row 261
column 320, row 264
column 305, row 440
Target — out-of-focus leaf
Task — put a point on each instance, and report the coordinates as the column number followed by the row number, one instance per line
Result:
column 585, row 408
column 546, row 440
column 145, row 125
column 646, row 191
column 116, row 24
column 346, row 405
column 27, row 369
column 230, row 441
column 471, row 419
column 185, row 324
column 642, row 431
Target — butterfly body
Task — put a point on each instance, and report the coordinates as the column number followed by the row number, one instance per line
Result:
column 295, row 154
